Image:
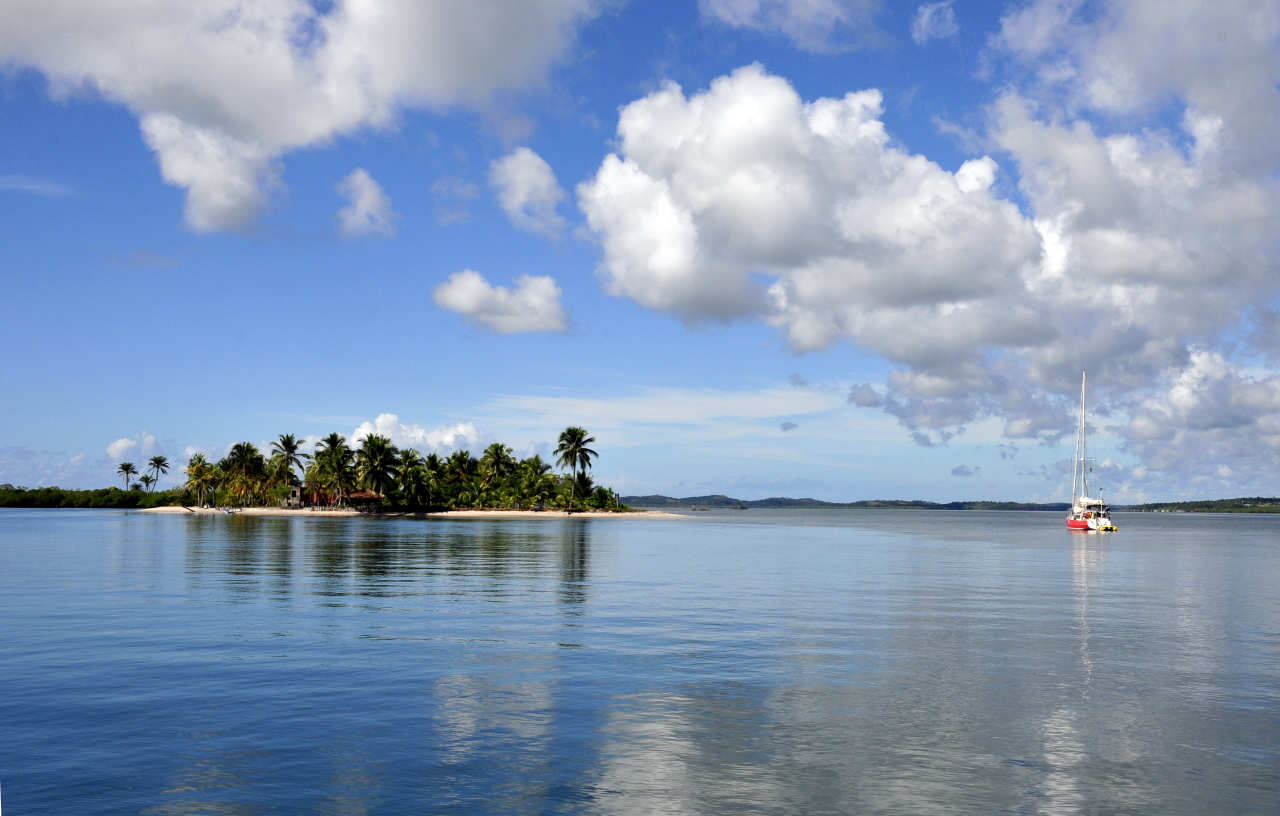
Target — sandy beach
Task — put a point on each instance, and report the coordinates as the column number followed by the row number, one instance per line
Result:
column 483, row 514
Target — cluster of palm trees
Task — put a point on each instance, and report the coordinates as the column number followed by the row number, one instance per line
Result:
column 376, row 472
column 157, row 467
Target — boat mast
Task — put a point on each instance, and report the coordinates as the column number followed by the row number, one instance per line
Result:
column 1079, row 471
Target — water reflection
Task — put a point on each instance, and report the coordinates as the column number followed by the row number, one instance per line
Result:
column 575, row 552
column 1088, row 562
column 393, row 665
column 378, row 557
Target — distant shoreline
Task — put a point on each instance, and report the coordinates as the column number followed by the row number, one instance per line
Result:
column 1251, row 505
column 721, row 502
column 348, row 513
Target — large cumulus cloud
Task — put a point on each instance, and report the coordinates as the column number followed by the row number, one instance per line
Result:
column 745, row 201
column 223, row 88
column 1145, row 238
column 860, row 238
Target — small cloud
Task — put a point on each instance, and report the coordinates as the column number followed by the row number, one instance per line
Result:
column 934, row 21
column 532, row 306
column 144, row 444
column 28, row 184
column 369, row 211
column 454, row 196
column 924, row 440
column 864, row 396
column 965, row 471
column 798, row 381
column 443, row 439
column 143, row 259
column 788, row 426
column 211, row 452
column 528, row 192
column 820, row 26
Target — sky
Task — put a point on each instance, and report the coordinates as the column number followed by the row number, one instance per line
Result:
column 845, row 249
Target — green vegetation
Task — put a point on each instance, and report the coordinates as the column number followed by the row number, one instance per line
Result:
column 111, row 497
column 895, row 504
column 377, row 474
column 1256, row 504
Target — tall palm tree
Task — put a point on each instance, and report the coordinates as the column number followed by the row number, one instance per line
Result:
column 434, row 468
column 159, row 466
column 246, row 471
column 496, row 464
column 376, row 463
column 199, row 476
column 572, row 452
column 332, row 442
column 288, row 450
column 128, row 471
column 332, row 471
column 148, row 481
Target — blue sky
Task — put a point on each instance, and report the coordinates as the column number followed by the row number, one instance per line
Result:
column 864, row 249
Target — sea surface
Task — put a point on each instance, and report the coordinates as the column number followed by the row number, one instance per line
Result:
column 795, row 661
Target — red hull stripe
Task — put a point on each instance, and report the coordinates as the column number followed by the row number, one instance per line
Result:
column 1077, row 524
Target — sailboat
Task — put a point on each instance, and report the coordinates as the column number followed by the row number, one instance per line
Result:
column 1087, row 513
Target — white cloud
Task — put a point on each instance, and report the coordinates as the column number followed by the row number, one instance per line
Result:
column 823, row 26
column 533, row 306
column 444, row 439
column 701, row 408
column 142, row 445
column 1143, row 245
column 224, row 88
column 25, row 467
column 863, row 240
column 1206, row 415
column 528, row 192
column 30, row 184
column 934, row 21
column 369, row 212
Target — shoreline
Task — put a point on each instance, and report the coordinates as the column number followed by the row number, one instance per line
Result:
column 345, row 513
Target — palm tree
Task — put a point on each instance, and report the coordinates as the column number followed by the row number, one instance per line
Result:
column 535, row 485
column 496, row 464
column 376, row 463
column 413, row 479
column 245, row 470
column 147, row 480
column 159, row 465
column 288, row 450
column 332, row 468
column 128, row 471
column 572, row 452
column 332, row 442
column 457, row 471
column 199, row 476
column 434, row 469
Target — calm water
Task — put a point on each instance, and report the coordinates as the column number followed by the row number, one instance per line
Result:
column 789, row 662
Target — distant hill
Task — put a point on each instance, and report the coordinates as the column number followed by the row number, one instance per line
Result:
column 719, row 500
column 1256, row 504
